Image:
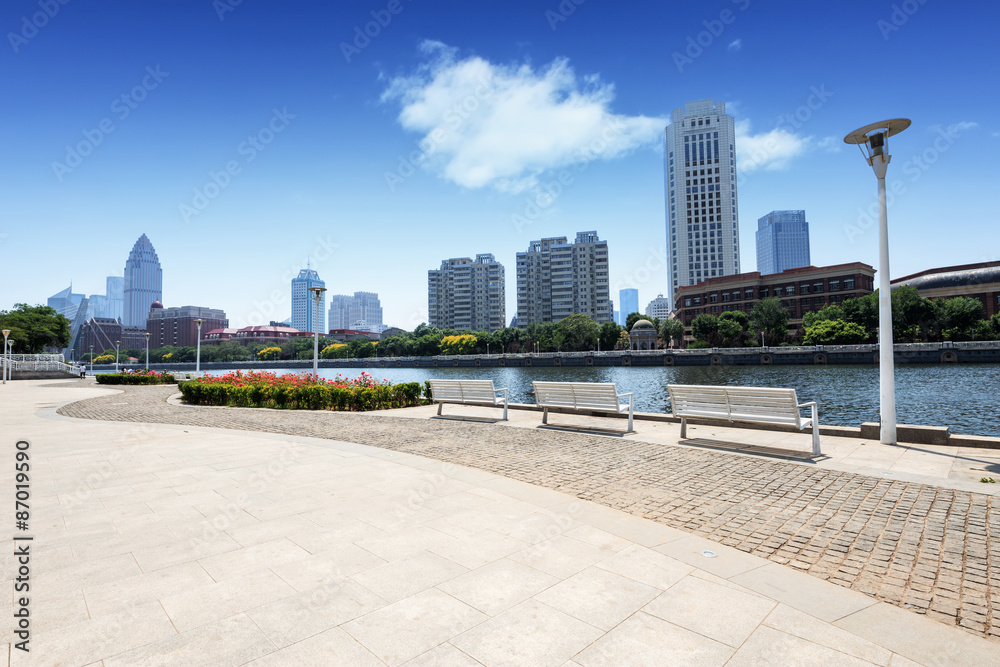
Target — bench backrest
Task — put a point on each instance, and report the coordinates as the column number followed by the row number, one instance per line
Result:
column 743, row 404
column 463, row 390
column 578, row 395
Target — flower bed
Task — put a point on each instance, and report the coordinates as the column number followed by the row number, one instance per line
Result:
column 135, row 377
column 260, row 389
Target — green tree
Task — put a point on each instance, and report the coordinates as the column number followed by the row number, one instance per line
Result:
column 609, row 335
column 913, row 316
column 672, row 330
column 706, row 329
column 632, row 318
column 957, row 317
column 624, row 342
column 34, row 328
column 834, row 332
column 863, row 311
column 829, row 313
column 578, row 333
column 770, row 317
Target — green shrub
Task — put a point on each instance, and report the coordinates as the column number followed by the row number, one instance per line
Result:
column 135, row 378
column 307, row 397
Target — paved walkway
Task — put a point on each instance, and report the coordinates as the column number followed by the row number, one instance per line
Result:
column 180, row 544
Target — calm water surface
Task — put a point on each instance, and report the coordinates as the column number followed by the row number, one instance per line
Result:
column 964, row 397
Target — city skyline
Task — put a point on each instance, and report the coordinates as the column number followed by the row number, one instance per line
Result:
column 412, row 144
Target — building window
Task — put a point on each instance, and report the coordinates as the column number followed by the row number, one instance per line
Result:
column 834, row 285
column 849, row 283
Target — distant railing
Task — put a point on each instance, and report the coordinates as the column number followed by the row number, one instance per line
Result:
column 38, row 362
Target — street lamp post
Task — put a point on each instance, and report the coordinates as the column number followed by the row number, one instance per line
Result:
column 873, row 142
column 197, row 358
column 91, row 359
column 147, row 350
column 6, row 332
column 317, row 294
column 117, row 343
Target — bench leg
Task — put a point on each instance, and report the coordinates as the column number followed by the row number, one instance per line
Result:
column 545, row 415
column 684, row 427
column 440, row 405
column 815, row 428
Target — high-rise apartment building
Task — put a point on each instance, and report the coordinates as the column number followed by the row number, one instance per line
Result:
column 556, row 279
column 782, row 241
column 628, row 301
column 304, row 315
column 467, row 295
column 700, row 178
column 142, row 284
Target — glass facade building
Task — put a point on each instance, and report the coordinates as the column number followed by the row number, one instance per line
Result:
column 304, row 303
column 628, row 302
column 782, row 242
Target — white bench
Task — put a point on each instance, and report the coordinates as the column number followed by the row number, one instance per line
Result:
column 468, row 392
column 582, row 396
column 756, row 405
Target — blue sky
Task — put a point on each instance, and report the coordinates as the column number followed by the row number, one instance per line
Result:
column 246, row 137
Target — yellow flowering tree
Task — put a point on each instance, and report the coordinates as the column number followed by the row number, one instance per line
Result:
column 463, row 344
column 105, row 359
column 269, row 353
column 334, row 351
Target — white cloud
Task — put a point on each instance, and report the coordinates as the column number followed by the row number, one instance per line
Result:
column 485, row 124
column 735, row 45
column 961, row 126
column 769, row 151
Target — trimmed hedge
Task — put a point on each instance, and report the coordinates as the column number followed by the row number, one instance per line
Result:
column 135, row 378
column 310, row 397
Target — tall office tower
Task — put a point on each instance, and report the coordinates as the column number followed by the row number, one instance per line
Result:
column 143, row 283
column 304, row 302
column 114, row 293
column 700, row 179
column 628, row 301
column 658, row 307
column 340, row 311
column 467, row 295
column 556, row 279
column 66, row 302
column 782, row 241
column 366, row 307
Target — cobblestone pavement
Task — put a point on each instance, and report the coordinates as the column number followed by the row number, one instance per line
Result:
column 935, row 551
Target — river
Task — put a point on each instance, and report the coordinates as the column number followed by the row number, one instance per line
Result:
column 960, row 396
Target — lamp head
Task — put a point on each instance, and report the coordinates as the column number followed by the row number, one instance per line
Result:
column 873, row 139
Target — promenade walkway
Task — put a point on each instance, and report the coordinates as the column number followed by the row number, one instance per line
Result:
column 182, row 538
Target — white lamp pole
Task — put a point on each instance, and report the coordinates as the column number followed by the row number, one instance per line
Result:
column 318, row 294
column 117, row 343
column 147, row 350
column 91, row 359
column 6, row 332
column 197, row 359
column 873, row 142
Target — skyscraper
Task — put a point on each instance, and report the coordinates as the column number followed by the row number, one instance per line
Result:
column 346, row 311
column 700, row 180
column 556, row 279
column 114, row 293
column 658, row 307
column 782, row 241
column 304, row 303
column 628, row 301
column 66, row 302
column 143, row 283
column 467, row 295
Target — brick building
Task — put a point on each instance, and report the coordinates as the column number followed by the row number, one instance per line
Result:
column 179, row 326
column 801, row 290
column 103, row 332
column 254, row 334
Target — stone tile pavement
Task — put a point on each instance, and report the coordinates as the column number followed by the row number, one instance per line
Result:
column 180, row 544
